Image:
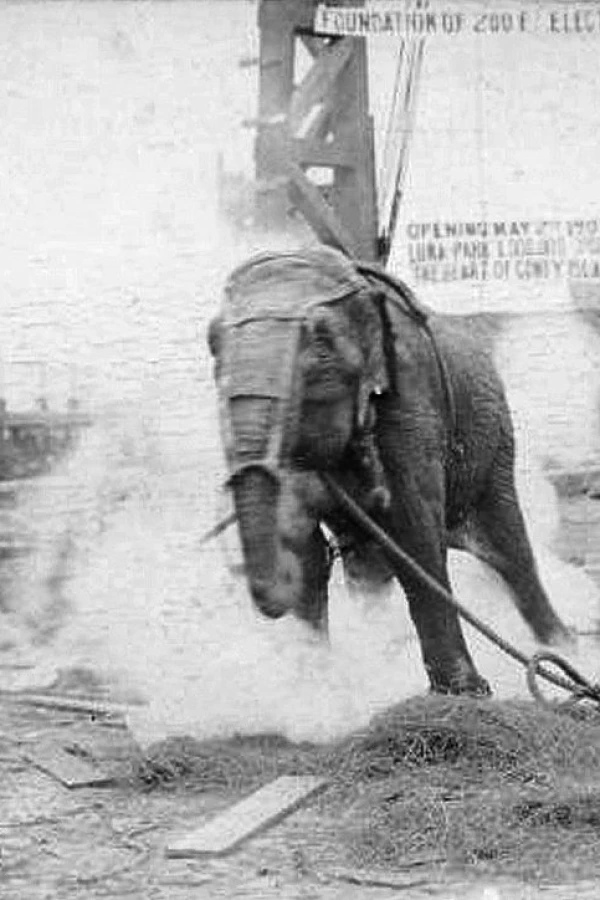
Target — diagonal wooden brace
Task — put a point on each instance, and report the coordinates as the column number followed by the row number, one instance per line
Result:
column 315, row 209
column 316, row 87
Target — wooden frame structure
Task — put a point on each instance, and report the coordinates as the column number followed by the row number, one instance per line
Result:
column 314, row 148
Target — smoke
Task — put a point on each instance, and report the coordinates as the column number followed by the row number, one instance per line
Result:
column 131, row 259
column 550, row 363
column 119, row 582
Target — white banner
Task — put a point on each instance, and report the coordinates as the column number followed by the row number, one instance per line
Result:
column 416, row 19
column 503, row 250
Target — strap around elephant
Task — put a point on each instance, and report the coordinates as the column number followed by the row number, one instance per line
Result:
column 402, row 292
column 405, row 299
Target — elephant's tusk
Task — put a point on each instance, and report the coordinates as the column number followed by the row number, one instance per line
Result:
column 217, row 529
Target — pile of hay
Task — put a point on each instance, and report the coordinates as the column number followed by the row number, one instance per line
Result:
column 235, row 765
column 511, row 786
column 517, row 740
column 505, row 785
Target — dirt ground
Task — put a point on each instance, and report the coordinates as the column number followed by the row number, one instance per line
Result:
column 109, row 841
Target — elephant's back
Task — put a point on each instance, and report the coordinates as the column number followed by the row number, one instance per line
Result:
column 467, row 353
column 482, row 416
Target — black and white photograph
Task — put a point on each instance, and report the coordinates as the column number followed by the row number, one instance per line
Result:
column 300, row 449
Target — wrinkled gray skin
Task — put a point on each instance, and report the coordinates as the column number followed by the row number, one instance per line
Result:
column 440, row 498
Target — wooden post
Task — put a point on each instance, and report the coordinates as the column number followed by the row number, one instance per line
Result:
column 314, row 146
column 277, row 20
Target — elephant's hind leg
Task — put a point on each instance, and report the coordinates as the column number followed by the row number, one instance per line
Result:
column 499, row 537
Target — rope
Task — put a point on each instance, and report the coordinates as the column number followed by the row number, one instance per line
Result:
column 392, row 124
column 577, row 685
column 410, row 96
column 574, row 683
column 582, row 690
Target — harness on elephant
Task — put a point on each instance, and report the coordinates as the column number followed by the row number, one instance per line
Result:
column 268, row 300
column 333, row 277
column 280, row 289
column 403, row 297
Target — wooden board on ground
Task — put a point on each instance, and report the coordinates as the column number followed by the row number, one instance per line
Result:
column 258, row 811
column 72, row 771
column 374, row 878
column 95, row 708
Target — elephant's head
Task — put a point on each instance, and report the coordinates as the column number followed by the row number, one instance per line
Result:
column 299, row 352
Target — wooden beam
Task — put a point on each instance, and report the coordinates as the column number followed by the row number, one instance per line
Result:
column 72, row 771
column 313, row 44
column 319, row 81
column 69, row 704
column 317, row 212
column 380, row 879
column 325, row 123
column 317, row 153
column 245, row 819
column 316, row 124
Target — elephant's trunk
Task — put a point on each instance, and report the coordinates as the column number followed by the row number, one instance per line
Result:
column 273, row 572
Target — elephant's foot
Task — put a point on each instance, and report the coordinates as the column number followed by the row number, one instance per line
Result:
column 313, row 610
column 318, row 625
column 459, row 680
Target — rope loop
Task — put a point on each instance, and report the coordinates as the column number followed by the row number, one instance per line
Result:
column 570, row 680
column 575, row 683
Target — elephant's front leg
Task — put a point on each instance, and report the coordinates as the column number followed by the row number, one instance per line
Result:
column 418, row 526
column 312, row 607
column 301, row 536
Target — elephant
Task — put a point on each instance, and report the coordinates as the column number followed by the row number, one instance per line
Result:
column 327, row 365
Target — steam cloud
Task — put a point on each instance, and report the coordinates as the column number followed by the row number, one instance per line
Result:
column 129, row 265
column 119, row 583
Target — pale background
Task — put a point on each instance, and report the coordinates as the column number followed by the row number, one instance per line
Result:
column 112, row 259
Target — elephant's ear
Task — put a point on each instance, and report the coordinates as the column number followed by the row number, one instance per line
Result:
column 369, row 329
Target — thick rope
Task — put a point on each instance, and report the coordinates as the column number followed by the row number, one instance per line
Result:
column 577, row 685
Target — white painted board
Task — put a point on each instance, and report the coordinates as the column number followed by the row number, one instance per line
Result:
column 243, row 820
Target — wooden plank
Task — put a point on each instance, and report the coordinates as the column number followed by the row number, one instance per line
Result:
column 245, row 819
column 374, row 878
column 354, row 194
column 318, row 81
column 317, row 212
column 317, row 153
column 70, row 770
column 70, row 704
column 313, row 44
column 186, row 879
